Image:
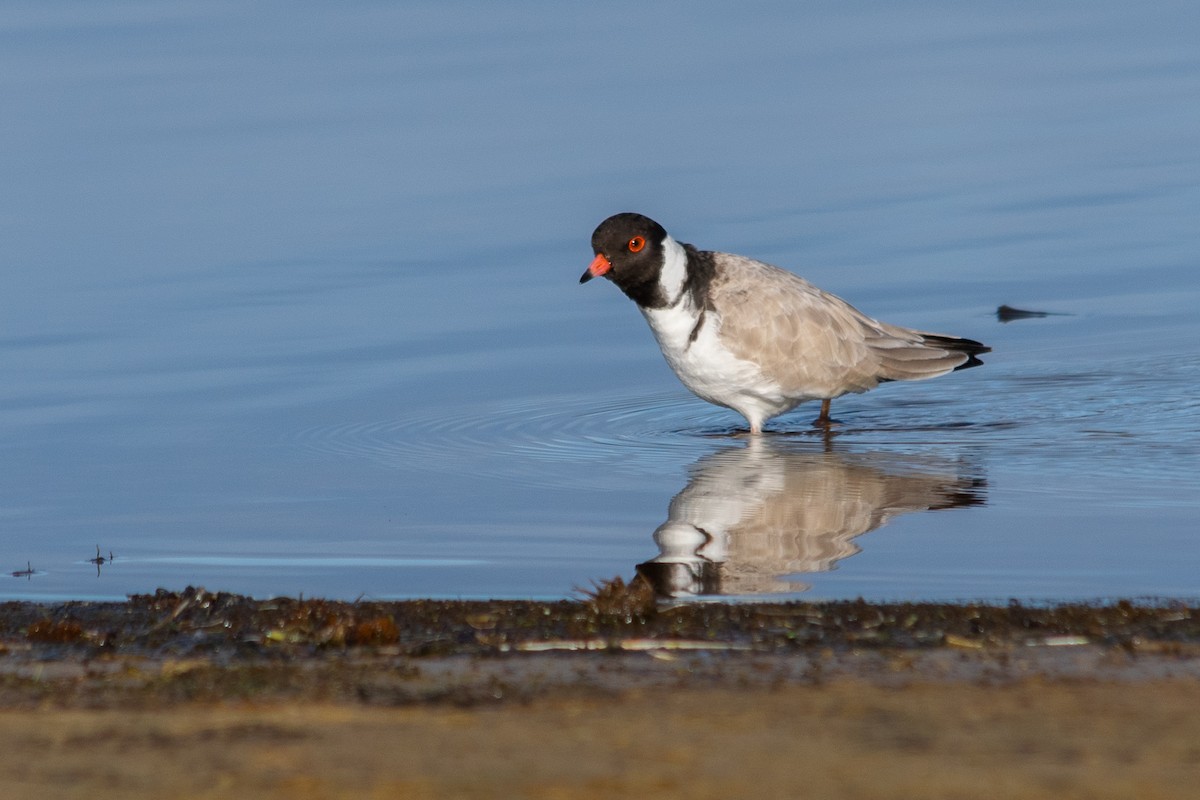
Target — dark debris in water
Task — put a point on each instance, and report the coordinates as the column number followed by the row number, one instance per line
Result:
column 1006, row 313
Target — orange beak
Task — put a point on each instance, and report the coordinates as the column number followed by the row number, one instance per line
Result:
column 598, row 267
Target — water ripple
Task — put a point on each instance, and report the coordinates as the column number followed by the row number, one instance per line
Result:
column 642, row 432
column 1131, row 417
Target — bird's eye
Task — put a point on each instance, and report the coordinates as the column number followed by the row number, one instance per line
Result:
column 636, row 244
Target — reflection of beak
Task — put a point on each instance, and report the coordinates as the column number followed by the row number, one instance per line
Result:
column 598, row 267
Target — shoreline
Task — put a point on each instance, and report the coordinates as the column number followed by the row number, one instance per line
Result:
column 201, row 694
column 156, row 641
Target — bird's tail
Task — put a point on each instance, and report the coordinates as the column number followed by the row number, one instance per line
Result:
column 916, row 355
column 957, row 344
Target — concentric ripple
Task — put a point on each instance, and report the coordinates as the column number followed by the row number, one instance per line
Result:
column 519, row 439
column 1146, row 412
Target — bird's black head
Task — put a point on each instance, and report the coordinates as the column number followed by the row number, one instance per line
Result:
column 629, row 252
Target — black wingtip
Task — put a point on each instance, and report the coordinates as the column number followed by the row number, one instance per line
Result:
column 959, row 345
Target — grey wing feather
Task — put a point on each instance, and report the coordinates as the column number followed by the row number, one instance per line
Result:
column 815, row 343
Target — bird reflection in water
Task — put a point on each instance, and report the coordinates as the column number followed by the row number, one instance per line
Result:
column 752, row 514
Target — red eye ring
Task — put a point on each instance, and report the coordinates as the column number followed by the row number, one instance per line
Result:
column 636, row 244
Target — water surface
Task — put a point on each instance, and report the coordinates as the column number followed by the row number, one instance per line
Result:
column 290, row 304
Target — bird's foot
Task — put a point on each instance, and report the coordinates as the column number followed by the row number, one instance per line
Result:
column 824, row 420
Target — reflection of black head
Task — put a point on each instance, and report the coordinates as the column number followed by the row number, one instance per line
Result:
column 679, row 579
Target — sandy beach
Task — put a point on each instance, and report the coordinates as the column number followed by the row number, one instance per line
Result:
column 195, row 694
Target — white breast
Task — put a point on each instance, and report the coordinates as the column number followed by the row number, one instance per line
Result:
column 699, row 357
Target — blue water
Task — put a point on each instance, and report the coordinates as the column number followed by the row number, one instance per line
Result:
column 289, row 297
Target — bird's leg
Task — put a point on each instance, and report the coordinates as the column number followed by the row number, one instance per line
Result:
column 824, row 421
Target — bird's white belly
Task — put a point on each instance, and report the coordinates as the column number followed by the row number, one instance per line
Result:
column 709, row 369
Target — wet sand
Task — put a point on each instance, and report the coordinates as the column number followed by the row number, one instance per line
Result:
column 194, row 694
